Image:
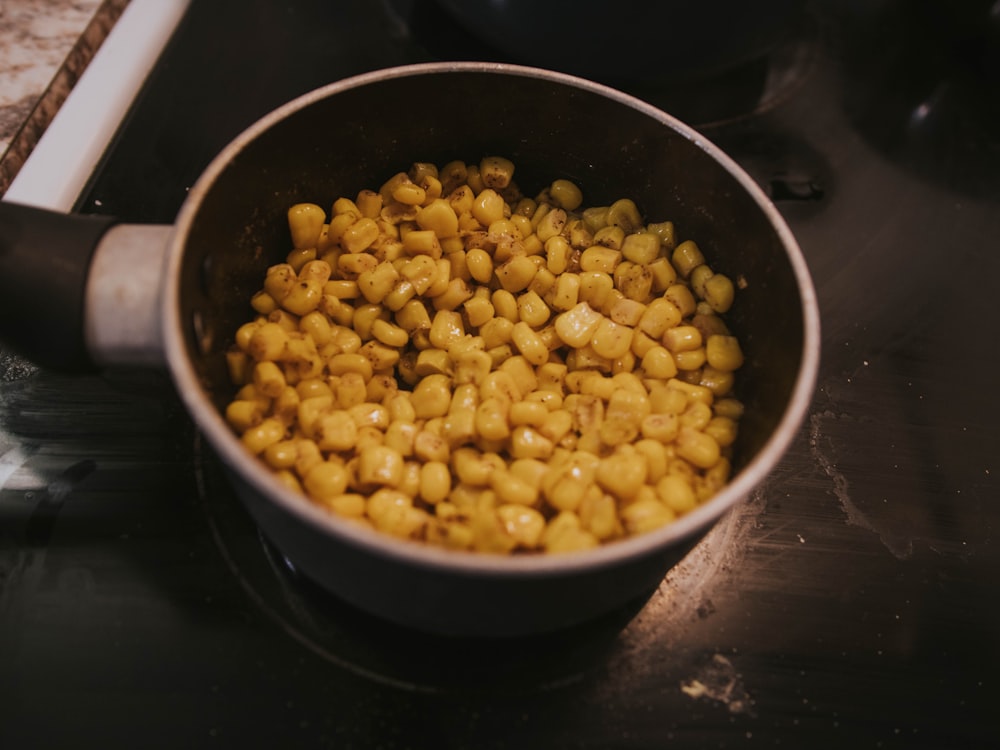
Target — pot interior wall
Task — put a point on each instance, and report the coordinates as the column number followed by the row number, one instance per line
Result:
column 359, row 137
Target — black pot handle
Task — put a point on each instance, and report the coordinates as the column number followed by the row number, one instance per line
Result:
column 44, row 262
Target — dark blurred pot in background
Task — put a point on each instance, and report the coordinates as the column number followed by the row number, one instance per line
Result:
column 629, row 41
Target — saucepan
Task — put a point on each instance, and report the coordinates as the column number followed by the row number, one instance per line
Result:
column 80, row 292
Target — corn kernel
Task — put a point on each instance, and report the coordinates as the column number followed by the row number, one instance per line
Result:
column 633, row 280
column 611, row 340
column 699, row 448
column 509, row 488
column 682, row 299
column 595, row 288
column 480, row 265
column 242, row 414
column 268, row 378
column 565, row 194
column 551, row 224
column 529, row 343
column 392, row 512
column 439, row 217
column 446, row 328
column 400, row 436
column 577, row 326
column 596, row 217
column 349, row 505
column 470, row 366
column 599, row 515
column 453, row 296
column 303, row 297
column 496, row 332
column 433, row 361
column 342, row 289
column 305, row 220
column 682, row 338
column 530, row 471
column 352, row 265
column 724, row 353
column 389, row 334
column 643, row 247
column 522, row 524
column 557, row 254
column 646, row 515
column 610, row 236
column 658, row 363
column 568, row 540
column 626, row 312
column 622, row 475
column 528, row 412
column 326, row 479
column 532, row 310
column 517, row 273
column 675, row 493
column 422, row 242
column 431, row 397
column 359, row 236
column 719, row 293
column 689, row 361
column 625, row 215
column 600, row 258
column 686, row 257
column 380, row 465
column 435, row 482
column 496, row 171
column 430, row 447
column 527, row 442
column 698, row 278
column 488, row 207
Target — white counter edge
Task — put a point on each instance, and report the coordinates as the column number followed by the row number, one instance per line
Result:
column 56, row 171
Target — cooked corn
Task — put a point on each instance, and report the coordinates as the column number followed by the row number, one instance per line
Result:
column 501, row 377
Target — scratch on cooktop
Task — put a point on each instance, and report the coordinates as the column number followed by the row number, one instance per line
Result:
column 900, row 547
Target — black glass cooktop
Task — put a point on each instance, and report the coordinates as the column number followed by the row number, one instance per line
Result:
column 851, row 602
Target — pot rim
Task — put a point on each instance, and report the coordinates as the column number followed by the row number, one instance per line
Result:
column 225, row 443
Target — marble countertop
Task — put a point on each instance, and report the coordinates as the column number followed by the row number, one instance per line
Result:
column 44, row 47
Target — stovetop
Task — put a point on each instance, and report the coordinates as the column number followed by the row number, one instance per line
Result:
column 851, row 602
